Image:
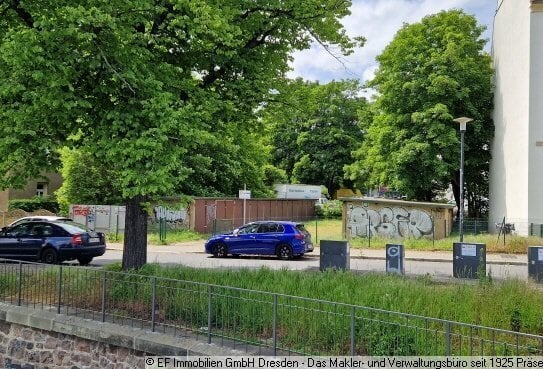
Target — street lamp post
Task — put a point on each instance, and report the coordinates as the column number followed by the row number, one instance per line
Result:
column 462, row 121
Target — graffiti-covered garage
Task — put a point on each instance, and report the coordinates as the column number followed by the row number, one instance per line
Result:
column 388, row 218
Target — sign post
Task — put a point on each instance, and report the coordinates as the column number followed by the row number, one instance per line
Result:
column 244, row 194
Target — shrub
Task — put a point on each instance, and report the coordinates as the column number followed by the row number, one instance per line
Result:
column 35, row 203
column 330, row 210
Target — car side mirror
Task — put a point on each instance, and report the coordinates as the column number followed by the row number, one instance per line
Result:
column 235, row 233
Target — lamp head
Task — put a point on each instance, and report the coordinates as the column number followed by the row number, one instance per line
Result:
column 463, row 121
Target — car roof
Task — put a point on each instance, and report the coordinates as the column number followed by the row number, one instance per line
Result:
column 275, row 221
column 36, row 218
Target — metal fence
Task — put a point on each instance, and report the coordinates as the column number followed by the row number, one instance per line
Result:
column 471, row 226
column 261, row 322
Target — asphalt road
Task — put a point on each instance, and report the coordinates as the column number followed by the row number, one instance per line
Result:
column 434, row 269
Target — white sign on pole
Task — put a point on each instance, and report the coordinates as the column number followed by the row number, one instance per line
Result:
column 245, row 194
column 540, row 254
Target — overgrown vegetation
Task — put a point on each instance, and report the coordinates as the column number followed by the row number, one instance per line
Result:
column 518, row 309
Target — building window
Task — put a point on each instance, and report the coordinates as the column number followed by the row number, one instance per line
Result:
column 41, row 189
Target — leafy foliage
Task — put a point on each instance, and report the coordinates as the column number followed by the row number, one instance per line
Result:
column 314, row 128
column 35, row 203
column 86, row 181
column 140, row 84
column 330, row 210
column 432, row 72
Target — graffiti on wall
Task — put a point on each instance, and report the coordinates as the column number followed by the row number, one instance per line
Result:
column 170, row 215
column 388, row 222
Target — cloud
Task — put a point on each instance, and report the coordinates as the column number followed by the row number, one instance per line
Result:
column 378, row 21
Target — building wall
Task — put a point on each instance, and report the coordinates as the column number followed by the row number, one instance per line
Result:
column 53, row 180
column 535, row 178
column 509, row 169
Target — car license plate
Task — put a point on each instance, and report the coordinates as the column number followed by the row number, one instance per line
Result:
column 94, row 239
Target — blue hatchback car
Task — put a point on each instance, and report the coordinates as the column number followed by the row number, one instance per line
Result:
column 281, row 238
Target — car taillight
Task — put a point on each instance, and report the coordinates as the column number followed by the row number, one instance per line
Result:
column 299, row 236
column 77, row 240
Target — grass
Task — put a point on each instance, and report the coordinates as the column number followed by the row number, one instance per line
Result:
column 172, row 236
column 510, row 305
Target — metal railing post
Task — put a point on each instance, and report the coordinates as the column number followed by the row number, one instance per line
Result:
column 352, row 330
column 448, row 339
column 20, row 285
column 59, row 289
column 274, row 324
column 153, row 307
column 209, row 312
column 104, row 284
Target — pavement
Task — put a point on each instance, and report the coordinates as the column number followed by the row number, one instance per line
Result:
column 356, row 253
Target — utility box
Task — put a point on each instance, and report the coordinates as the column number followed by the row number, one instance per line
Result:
column 535, row 263
column 335, row 255
column 395, row 259
column 469, row 260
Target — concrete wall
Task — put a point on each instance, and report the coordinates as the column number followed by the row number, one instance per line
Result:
column 517, row 47
column 535, row 143
column 395, row 218
column 38, row 339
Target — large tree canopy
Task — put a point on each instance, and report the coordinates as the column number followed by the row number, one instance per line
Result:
column 140, row 83
column 432, row 72
column 314, row 129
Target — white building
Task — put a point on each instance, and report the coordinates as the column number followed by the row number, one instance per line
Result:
column 516, row 169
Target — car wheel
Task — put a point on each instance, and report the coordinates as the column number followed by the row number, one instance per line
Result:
column 220, row 250
column 84, row 260
column 49, row 256
column 284, row 251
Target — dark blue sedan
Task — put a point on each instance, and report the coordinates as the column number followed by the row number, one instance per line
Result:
column 51, row 242
column 284, row 239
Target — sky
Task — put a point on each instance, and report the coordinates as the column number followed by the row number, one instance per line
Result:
column 378, row 21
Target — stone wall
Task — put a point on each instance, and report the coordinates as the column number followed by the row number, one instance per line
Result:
column 29, row 348
column 41, row 339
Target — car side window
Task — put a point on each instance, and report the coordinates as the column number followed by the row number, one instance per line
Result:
column 57, row 231
column 269, row 228
column 280, row 228
column 253, row 228
column 20, row 230
column 36, row 230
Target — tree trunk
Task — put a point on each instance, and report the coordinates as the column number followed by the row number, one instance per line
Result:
column 135, row 235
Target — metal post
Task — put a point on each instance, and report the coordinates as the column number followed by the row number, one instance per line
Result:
column 59, row 289
column 20, row 286
column 104, row 283
column 153, row 307
column 209, row 312
column 448, row 339
column 274, row 324
column 316, row 229
column 461, row 209
column 531, row 229
column 352, row 330
column 117, row 226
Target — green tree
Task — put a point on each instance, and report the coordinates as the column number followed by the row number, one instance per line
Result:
column 138, row 83
column 432, row 72
column 86, row 181
column 314, row 128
